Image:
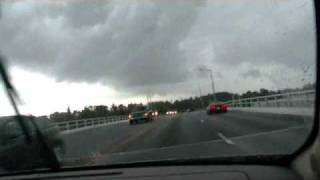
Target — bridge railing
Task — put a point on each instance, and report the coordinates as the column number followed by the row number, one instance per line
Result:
column 90, row 122
column 291, row 99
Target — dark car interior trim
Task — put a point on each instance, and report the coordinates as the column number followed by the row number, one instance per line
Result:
column 276, row 160
column 315, row 129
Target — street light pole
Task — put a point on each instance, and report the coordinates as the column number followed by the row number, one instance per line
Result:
column 212, row 82
column 200, row 93
column 212, row 86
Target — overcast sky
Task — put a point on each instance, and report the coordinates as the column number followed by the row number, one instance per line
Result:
column 80, row 52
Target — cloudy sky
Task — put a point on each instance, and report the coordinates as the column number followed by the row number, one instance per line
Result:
column 80, row 52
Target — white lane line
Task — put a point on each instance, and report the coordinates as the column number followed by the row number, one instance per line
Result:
column 272, row 132
column 228, row 141
column 184, row 146
column 201, row 120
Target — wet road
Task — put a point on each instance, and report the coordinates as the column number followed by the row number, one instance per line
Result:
column 188, row 135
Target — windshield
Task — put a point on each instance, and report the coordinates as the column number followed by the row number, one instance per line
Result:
column 122, row 81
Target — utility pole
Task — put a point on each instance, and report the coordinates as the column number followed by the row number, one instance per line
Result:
column 148, row 101
column 200, row 93
column 212, row 82
column 212, row 86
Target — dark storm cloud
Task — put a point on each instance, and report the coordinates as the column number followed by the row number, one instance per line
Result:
column 252, row 73
column 260, row 32
column 273, row 36
column 156, row 45
column 83, row 14
column 122, row 44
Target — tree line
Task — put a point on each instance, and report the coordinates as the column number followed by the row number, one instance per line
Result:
column 187, row 104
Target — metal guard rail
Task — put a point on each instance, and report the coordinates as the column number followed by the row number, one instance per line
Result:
column 291, row 99
column 90, row 122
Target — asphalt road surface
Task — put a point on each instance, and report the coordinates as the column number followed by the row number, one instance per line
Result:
column 188, row 135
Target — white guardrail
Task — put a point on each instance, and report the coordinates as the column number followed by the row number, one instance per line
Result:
column 90, row 122
column 293, row 99
column 287, row 100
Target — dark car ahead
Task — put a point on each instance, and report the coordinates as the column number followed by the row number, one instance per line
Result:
column 17, row 153
column 140, row 117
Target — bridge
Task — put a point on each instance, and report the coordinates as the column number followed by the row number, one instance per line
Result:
column 273, row 124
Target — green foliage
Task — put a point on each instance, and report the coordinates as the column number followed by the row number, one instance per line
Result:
column 192, row 103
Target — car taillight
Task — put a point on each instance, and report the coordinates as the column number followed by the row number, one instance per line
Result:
column 145, row 114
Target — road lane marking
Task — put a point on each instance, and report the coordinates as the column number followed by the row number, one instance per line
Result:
column 124, row 143
column 206, row 142
column 271, row 132
column 225, row 139
column 201, row 120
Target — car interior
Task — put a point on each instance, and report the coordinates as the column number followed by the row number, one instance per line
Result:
column 302, row 164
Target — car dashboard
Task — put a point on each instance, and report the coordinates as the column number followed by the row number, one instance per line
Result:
column 203, row 172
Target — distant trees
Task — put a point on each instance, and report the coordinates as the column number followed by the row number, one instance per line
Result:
column 163, row 106
column 114, row 109
column 87, row 112
column 96, row 111
column 64, row 116
column 68, row 111
column 309, row 86
column 122, row 109
column 58, row 117
column 101, row 110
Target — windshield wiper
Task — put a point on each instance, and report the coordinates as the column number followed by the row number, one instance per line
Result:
column 49, row 154
column 13, row 97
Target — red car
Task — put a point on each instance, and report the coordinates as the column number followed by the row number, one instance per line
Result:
column 216, row 108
